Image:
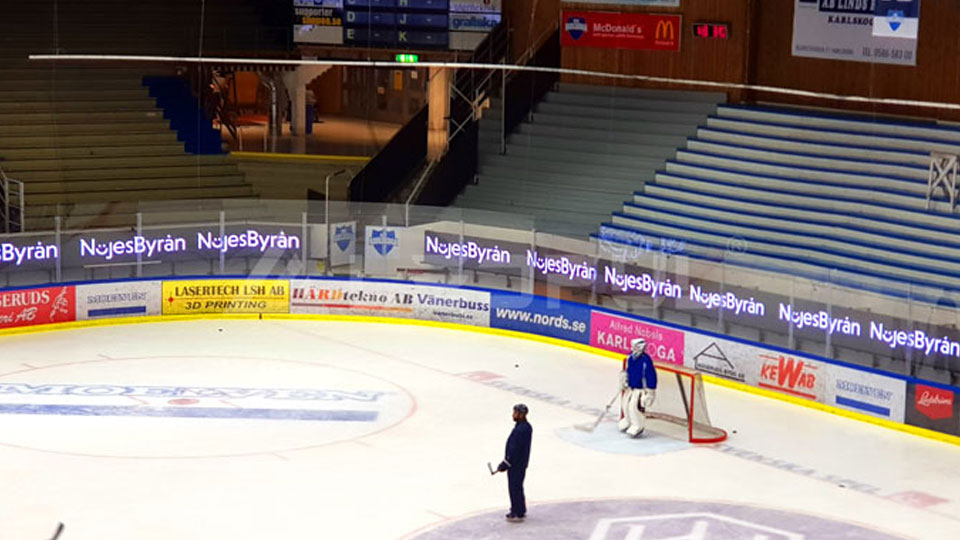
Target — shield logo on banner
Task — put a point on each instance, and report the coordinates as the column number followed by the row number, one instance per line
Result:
column 343, row 236
column 576, row 27
column 383, row 240
column 895, row 19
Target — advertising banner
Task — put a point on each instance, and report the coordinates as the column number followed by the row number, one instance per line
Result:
column 382, row 250
column 865, row 392
column 28, row 253
column 343, row 239
column 191, row 297
column 897, row 18
column 933, row 407
column 540, row 315
column 756, row 366
column 403, row 300
column 614, row 333
column 122, row 299
column 318, row 21
column 656, row 3
column 609, row 30
column 845, row 30
column 30, row 307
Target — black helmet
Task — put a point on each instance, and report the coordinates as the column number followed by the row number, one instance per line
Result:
column 520, row 408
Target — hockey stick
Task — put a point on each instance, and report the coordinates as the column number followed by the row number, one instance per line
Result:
column 59, row 530
column 589, row 429
column 491, row 469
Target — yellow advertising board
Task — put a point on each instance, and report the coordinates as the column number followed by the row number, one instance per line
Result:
column 189, row 297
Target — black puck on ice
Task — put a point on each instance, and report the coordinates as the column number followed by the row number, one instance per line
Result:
column 516, row 365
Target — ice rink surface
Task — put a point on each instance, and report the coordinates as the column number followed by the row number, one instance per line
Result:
column 283, row 429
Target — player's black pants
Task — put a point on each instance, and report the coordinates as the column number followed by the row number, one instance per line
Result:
column 518, row 503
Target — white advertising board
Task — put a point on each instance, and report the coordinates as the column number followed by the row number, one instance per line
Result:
column 121, row 299
column 382, row 299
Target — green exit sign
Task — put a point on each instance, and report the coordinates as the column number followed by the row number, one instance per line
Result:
column 408, row 58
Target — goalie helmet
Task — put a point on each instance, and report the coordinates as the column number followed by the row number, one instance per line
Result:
column 637, row 346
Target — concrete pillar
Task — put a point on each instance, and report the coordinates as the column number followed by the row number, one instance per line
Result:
column 296, row 82
column 438, row 97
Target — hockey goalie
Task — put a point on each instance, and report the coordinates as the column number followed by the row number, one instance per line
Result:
column 638, row 382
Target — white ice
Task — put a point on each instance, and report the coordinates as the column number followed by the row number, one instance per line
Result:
column 424, row 462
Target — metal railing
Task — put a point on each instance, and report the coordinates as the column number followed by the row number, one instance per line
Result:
column 11, row 203
column 942, row 175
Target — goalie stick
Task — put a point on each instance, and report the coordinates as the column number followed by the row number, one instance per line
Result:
column 57, row 533
column 590, row 428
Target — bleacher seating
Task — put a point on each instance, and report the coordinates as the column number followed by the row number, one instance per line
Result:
column 586, row 148
column 807, row 192
column 78, row 134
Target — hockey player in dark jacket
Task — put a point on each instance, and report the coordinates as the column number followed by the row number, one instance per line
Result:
column 638, row 381
column 515, row 462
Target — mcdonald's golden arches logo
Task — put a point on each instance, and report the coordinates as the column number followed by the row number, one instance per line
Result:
column 665, row 31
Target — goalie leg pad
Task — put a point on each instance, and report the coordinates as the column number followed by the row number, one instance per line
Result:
column 637, row 418
column 624, row 407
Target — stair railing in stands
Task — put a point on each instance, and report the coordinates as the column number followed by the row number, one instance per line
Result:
column 11, row 203
column 942, row 174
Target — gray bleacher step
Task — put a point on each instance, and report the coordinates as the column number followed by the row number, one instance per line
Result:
column 155, row 125
column 34, row 188
column 868, row 202
column 654, row 133
column 81, row 175
column 573, row 112
column 626, row 104
column 804, row 160
column 76, row 117
column 644, row 121
column 57, row 96
column 664, row 148
column 718, row 235
column 851, row 123
column 721, row 224
column 71, row 73
column 555, row 180
column 139, row 194
column 53, row 83
column 580, row 169
column 820, row 215
column 586, row 219
column 71, row 141
column 541, row 196
column 814, row 147
column 743, row 178
column 95, row 152
column 642, row 93
column 817, row 135
column 106, row 163
column 92, row 107
column 837, row 231
column 724, row 166
column 587, row 158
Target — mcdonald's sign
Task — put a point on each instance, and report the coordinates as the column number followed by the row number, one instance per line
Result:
column 610, row 30
column 665, row 31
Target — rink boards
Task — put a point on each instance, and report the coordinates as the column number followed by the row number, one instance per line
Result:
column 892, row 400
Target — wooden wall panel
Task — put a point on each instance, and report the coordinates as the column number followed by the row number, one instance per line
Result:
column 936, row 77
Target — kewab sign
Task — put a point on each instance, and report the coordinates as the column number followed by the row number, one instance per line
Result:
column 610, row 30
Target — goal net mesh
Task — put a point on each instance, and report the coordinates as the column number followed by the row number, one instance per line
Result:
column 681, row 403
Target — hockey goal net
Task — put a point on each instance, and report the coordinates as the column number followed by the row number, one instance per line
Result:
column 681, row 402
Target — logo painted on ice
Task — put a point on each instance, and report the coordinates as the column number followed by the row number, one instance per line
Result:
column 895, row 19
column 576, row 27
column 790, row 375
column 343, row 236
column 383, row 240
column 701, row 525
column 934, row 403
